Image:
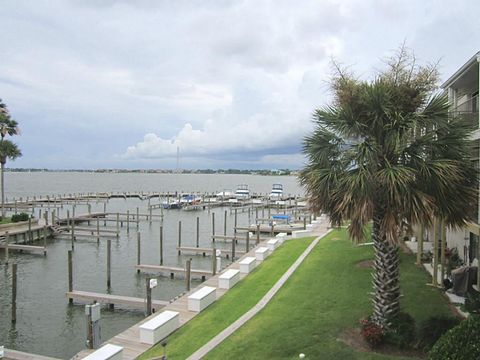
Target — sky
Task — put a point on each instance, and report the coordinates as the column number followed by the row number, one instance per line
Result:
column 231, row 84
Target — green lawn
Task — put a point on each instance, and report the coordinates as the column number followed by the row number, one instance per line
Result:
column 326, row 295
column 233, row 304
column 5, row 220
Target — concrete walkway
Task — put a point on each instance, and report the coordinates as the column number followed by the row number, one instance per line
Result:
column 205, row 349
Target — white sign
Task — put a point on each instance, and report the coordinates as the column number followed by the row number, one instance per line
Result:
column 153, row 283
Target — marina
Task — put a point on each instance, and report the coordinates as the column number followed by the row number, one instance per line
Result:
column 117, row 241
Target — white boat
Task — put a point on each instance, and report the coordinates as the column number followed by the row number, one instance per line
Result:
column 277, row 192
column 242, row 192
column 225, row 194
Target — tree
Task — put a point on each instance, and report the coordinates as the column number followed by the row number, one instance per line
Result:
column 388, row 150
column 8, row 150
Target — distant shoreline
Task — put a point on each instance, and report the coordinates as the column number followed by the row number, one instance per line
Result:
column 280, row 172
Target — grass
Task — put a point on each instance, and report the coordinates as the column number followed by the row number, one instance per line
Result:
column 5, row 220
column 327, row 295
column 233, row 304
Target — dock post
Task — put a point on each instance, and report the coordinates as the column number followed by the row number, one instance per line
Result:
column 30, row 234
column 105, row 214
column 225, row 223
column 234, row 240
column 15, row 206
column 7, row 240
column 72, row 230
column 198, row 232
column 68, row 218
column 138, row 251
column 235, row 224
column 138, row 219
column 161, row 244
column 109, row 262
column 128, row 221
column 98, row 230
column 179, row 236
column 149, row 297
column 14, row 292
column 272, row 230
column 44, row 240
column 256, row 214
column 247, row 246
column 213, row 226
column 150, row 212
column 258, row 235
column 118, row 228
column 304, row 222
column 188, row 268
column 53, row 217
column 70, row 275
column 214, row 260
column 45, row 216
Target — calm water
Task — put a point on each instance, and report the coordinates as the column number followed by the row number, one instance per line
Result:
column 46, row 323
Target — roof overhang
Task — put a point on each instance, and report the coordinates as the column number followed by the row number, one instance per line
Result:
column 465, row 68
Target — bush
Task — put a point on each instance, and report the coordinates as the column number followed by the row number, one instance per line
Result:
column 472, row 302
column 372, row 332
column 459, row 343
column 432, row 329
column 402, row 331
column 20, row 217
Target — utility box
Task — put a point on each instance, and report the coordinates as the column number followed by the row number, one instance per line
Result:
column 92, row 313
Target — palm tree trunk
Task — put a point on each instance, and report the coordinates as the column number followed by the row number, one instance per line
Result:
column 386, row 276
column 2, row 168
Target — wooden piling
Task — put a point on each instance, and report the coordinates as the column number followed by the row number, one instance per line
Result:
column 44, row 240
column 188, row 268
column 138, row 219
column 304, row 223
column 150, row 214
column 258, row 235
column 30, row 234
column 109, row 262
column 118, row 228
column 247, row 245
column 198, row 232
column 98, row 230
column 138, row 250
column 161, row 244
column 213, row 226
column 105, row 213
column 214, row 260
column 72, row 230
column 14, row 292
column 70, row 274
column 7, row 240
column 149, row 297
column 179, row 236
column 234, row 241
column 225, row 224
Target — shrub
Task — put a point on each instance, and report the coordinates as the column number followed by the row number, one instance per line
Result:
column 402, row 331
column 432, row 329
column 372, row 332
column 472, row 302
column 20, row 217
column 459, row 343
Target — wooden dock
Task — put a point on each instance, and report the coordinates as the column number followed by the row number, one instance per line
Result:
column 89, row 297
column 29, row 248
column 207, row 251
column 20, row 355
column 171, row 270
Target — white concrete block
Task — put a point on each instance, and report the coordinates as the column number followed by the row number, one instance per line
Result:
column 107, row 351
column 301, row 233
column 228, row 279
column 248, row 264
column 200, row 299
column 159, row 327
column 261, row 253
column 272, row 244
column 281, row 237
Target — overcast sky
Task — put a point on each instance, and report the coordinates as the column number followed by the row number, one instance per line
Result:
column 121, row 84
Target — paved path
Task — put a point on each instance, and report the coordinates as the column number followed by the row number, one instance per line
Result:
column 205, row 349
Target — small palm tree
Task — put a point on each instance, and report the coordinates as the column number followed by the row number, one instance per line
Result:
column 8, row 126
column 389, row 151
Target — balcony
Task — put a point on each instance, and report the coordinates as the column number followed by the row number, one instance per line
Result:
column 469, row 111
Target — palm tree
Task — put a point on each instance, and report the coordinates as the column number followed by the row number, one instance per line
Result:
column 8, row 150
column 388, row 150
